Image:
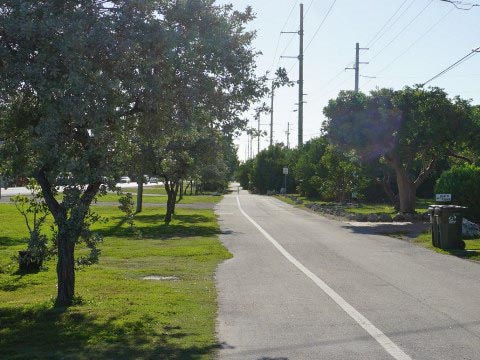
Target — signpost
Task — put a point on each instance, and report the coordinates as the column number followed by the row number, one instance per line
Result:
column 285, row 172
column 443, row 197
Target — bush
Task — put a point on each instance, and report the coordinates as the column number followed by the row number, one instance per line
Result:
column 464, row 185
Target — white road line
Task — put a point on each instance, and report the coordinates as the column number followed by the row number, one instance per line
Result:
column 389, row 346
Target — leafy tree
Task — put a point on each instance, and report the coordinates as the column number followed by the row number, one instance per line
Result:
column 62, row 98
column 405, row 129
column 464, row 185
column 72, row 80
column 244, row 173
column 267, row 172
column 308, row 168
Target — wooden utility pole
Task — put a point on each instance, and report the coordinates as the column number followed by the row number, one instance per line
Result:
column 271, row 114
column 357, row 66
column 288, row 135
column 258, row 135
column 300, row 82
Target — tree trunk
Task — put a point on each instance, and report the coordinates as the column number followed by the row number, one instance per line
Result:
column 180, row 190
column 171, row 197
column 65, row 269
column 406, row 191
column 191, row 187
column 139, row 193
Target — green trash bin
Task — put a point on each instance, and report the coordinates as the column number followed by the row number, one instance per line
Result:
column 449, row 221
column 434, row 225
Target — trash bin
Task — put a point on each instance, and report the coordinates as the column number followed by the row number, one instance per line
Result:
column 449, row 223
column 434, row 225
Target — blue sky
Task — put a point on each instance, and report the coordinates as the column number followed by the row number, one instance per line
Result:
column 422, row 39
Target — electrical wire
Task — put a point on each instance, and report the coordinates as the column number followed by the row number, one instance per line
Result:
column 416, row 41
column 375, row 40
column 402, row 31
column 386, row 23
column 275, row 59
column 454, row 65
column 321, row 24
column 308, row 8
column 460, row 5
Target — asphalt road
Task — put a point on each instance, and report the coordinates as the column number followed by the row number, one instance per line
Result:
column 301, row 286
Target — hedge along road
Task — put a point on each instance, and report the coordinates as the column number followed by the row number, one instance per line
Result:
column 301, row 286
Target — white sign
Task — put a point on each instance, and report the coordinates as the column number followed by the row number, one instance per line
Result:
column 443, row 197
column 285, row 171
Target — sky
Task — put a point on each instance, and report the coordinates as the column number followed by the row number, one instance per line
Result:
column 409, row 42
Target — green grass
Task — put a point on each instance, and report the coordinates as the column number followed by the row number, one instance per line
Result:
column 156, row 190
column 471, row 252
column 119, row 315
column 362, row 208
column 162, row 199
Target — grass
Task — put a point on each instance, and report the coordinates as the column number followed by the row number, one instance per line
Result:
column 362, row 208
column 117, row 315
column 162, row 199
column 471, row 252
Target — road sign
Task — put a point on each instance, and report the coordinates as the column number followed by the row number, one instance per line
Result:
column 285, row 171
column 443, row 197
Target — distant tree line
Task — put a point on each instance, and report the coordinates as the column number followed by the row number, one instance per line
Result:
column 388, row 146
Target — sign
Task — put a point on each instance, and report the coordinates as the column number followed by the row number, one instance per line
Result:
column 285, row 171
column 443, row 197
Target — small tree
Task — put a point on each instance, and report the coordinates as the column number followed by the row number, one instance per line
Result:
column 34, row 211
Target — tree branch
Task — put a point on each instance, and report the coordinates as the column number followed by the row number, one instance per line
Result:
column 424, row 173
column 52, row 203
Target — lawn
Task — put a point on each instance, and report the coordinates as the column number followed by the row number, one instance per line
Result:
column 362, row 208
column 472, row 248
column 162, row 199
column 117, row 313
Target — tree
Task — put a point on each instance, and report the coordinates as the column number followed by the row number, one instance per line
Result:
column 308, row 169
column 62, row 99
column 403, row 128
column 267, row 171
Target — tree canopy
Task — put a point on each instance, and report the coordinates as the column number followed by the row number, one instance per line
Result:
column 408, row 129
column 78, row 76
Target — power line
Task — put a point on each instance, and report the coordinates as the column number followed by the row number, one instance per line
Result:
column 371, row 42
column 402, row 31
column 460, row 5
column 308, row 8
column 321, row 23
column 454, row 65
column 275, row 59
column 416, row 41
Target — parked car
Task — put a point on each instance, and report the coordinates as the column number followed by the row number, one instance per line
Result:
column 125, row 179
column 153, row 180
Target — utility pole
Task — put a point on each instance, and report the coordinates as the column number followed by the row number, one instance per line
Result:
column 271, row 115
column 288, row 135
column 258, row 134
column 357, row 66
column 300, row 82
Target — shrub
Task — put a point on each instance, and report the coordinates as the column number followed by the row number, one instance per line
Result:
column 464, row 185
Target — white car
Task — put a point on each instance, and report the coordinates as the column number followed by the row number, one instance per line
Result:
column 125, row 179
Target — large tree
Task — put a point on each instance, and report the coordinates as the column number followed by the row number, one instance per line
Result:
column 407, row 129
column 73, row 75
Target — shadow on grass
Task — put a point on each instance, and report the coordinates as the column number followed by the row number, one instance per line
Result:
column 183, row 225
column 6, row 241
column 48, row 333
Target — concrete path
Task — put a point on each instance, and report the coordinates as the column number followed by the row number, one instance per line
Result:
column 301, row 286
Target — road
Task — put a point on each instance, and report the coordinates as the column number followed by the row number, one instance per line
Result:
column 301, row 286
column 12, row 191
